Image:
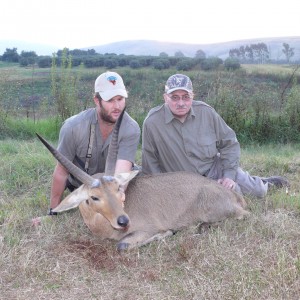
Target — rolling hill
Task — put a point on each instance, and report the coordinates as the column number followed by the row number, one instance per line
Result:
column 153, row 47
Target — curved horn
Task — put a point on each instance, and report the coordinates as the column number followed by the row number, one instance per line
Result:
column 111, row 159
column 74, row 170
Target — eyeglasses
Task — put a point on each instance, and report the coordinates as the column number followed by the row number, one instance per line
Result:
column 177, row 98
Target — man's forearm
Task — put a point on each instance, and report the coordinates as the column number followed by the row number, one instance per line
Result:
column 59, row 180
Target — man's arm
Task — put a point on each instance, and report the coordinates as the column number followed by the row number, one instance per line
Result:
column 59, row 179
column 123, row 166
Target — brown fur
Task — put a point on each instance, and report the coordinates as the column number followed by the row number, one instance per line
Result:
column 157, row 206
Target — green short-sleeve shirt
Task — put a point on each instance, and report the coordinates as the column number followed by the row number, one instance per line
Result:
column 74, row 140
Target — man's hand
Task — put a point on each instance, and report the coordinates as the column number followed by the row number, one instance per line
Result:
column 227, row 182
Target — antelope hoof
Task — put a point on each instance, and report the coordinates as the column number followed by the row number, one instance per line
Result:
column 122, row 246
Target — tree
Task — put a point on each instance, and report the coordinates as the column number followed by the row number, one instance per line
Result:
column 161, row 64
column 10, row 55
column 96, row 61
column 200, row 54
column 185, row 64
column 134, row 64
column 163, row 54
column 231, row 63
column 178, row 54
column 242, row 51
column 27, row 58
column 249, row 54
column 261, row 52
column 234, row 53
column 44, row 61
column 255, row 52
column 287, row 51
column 110, row 63
column 211, row 63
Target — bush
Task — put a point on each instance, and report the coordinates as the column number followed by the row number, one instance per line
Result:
column 44, row 62
column 211, row 63
column 110, row 63
column 161, row 64
column 232, row 63
column 185, row 64
column 134, row 64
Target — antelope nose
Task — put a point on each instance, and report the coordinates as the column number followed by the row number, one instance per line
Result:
column 123, row 221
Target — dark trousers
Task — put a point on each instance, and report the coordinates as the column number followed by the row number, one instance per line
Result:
column 70, row 186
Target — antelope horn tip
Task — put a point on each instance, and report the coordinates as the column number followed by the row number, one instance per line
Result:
column 96, row 183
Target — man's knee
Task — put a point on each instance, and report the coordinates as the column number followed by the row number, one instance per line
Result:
column 259, row 191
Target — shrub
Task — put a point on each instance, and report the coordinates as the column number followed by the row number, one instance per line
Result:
column 232, row 63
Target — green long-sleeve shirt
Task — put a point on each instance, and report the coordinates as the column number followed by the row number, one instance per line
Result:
column 169, row 145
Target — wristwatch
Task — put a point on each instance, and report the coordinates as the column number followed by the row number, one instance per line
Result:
column 52, row 213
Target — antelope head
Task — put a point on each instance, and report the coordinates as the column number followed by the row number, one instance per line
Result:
column 102, row 193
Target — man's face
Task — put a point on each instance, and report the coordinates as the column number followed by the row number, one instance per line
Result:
column 109, row 111
column 180, row 102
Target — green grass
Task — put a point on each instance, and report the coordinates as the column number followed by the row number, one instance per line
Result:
column 22, row 129
column 260, row 102
column 257, row 258
column 270, row 69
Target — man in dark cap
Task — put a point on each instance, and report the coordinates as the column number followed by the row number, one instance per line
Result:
column 187, row 135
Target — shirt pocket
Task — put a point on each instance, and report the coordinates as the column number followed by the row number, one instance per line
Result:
column 206, row 148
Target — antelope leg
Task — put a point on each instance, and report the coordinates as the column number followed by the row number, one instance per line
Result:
column 140, row 238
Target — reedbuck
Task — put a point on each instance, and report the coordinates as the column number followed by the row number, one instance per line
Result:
column 156, row 206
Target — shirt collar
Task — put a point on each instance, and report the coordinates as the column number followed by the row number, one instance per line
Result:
column 95, row 119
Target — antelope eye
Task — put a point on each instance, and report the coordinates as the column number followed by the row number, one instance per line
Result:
column 95, row 198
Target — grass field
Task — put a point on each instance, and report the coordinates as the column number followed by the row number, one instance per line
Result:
column 257, row 258
column 271, row 69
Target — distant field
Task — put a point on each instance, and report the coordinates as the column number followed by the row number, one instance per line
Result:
column 260, row 102
column 271, row 69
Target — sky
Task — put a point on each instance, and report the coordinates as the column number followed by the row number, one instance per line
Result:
column 78, row 24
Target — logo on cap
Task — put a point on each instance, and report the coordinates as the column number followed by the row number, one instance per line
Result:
column 112, row 79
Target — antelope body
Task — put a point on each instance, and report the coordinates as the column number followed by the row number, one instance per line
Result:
column 156, row 205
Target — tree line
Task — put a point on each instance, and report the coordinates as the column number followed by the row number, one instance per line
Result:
column 90, row 59
column 259, row 53
column 246, row 54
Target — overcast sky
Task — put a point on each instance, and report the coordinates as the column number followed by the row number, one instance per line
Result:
column 84, row 23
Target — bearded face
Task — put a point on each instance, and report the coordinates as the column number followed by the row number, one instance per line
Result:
column 105, row 115
column 109, row 111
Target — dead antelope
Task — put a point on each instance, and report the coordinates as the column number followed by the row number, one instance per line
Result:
column 156, row 206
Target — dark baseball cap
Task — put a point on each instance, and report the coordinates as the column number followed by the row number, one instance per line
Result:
column 178, row 82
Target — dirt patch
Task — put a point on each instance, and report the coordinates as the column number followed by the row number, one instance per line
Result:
column 99, row 256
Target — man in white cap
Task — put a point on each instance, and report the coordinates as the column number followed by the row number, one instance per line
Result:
column 84, row 138
column 187, row 135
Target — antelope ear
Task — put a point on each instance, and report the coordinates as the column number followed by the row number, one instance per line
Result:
column 73, row 200
column 124, row 178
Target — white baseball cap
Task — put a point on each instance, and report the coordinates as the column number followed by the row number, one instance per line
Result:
column 109, row 85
